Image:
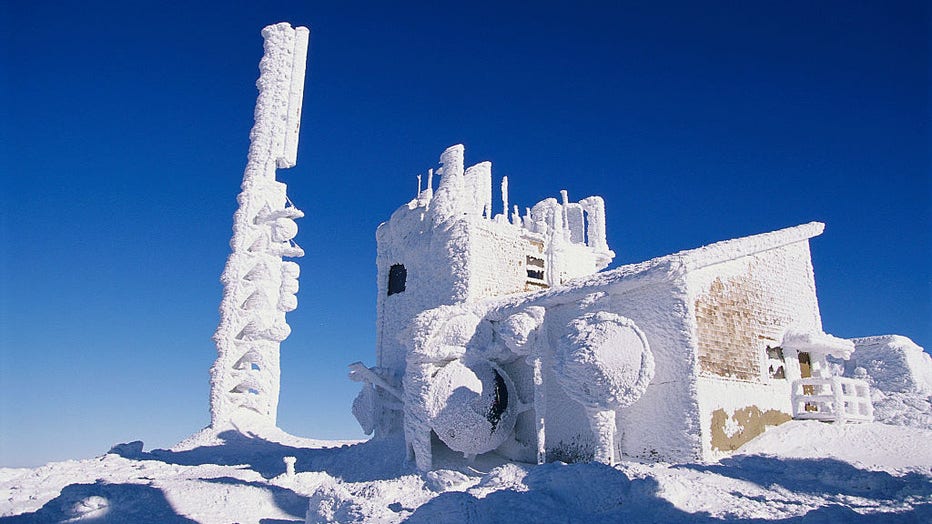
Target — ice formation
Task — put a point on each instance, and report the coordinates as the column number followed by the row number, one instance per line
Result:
column 900, row 376
column 894, row 363
column 258, row 285
column 498, row 333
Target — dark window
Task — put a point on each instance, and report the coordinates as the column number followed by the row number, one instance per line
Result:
column 396, row 279
column 535, row 267
column 776, row 362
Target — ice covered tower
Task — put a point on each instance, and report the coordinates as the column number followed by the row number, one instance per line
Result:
column 258, row 285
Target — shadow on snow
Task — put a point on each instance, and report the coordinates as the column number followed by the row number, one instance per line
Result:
column 828, row 478
column 596, row 493
column 363, row 462
column 555, row 492
column 286, row 499
column 104, row 502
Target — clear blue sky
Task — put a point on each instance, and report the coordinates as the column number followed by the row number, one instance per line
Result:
column 125, row 129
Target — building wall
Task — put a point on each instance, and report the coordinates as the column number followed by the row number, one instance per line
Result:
column 708, row 323
column 663, row 424
column 733, row 411
column 572, row 260
column 739, row 308
column 436, row 275
column 497, row 258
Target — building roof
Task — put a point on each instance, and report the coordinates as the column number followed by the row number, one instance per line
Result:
column 672, row 266
column 727, row 250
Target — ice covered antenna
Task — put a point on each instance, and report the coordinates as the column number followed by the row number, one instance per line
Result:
column 258, row 286
column 505, row 196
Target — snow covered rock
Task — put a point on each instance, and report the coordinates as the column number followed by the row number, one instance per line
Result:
column 128, row 449
column 894, row 363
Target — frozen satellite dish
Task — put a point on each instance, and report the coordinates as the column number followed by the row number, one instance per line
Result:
column 604, row 361
column 472, row 408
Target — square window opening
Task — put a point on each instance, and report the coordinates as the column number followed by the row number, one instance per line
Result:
column 397, row 275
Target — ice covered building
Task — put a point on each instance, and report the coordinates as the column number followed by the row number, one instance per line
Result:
column 499, row 333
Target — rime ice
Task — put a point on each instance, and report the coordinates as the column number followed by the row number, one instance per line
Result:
column 498, row 333
column 258, row 286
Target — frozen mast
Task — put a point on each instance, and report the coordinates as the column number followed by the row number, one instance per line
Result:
column 258, row 286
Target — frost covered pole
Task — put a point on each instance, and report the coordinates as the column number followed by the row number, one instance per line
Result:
column 602, row 422
column 594, row 207
column 258, row 286
column 540, row 406
column 505, row 196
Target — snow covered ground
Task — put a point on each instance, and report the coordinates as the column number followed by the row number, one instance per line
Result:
column 801, row 470
column 798, row 471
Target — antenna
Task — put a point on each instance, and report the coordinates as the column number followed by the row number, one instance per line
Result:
column 505, row 195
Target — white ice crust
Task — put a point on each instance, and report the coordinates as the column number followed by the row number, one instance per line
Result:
column 258, row 286
column 900, row 375
column 822, row 343
column 603, row 361
column 472, row 364
column 499, row 333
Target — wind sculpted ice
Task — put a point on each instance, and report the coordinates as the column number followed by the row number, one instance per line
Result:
column 259, row 287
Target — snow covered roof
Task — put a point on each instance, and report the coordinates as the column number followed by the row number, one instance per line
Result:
column 741, row 247
column 672, row 266
column 808, row 342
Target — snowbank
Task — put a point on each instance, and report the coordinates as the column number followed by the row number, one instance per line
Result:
column 871, row 446
column 894, row 364
column 823, row 472
column 900, row 375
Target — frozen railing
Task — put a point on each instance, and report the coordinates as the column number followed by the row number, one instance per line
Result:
column 835, row 399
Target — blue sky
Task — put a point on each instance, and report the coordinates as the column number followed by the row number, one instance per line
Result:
column 125, row 129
